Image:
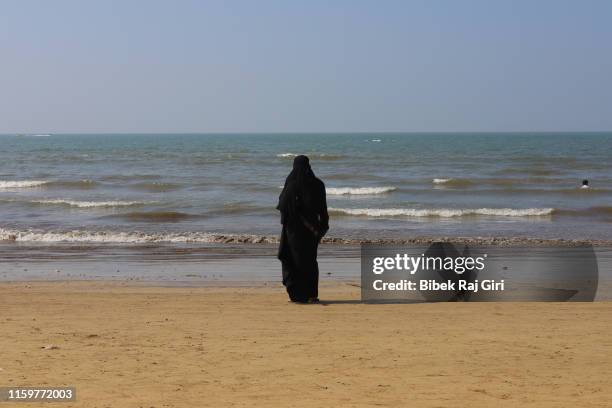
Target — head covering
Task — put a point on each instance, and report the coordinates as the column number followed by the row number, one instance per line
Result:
column 297, row 185
column 301, row 161
column 302, row 172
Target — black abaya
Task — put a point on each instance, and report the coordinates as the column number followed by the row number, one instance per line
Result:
column 305, row 221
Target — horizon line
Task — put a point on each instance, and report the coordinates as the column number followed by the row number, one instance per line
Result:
column 306, row 132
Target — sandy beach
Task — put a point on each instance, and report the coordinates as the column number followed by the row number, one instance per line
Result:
column 127, row 345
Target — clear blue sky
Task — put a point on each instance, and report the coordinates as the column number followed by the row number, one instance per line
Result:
column 235, row 66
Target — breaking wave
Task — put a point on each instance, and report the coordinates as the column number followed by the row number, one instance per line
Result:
column 359, row 190
column 71, row 184
column 128, row 237
column 89, row 204
column 137, row 237
column 451, row 182
column 22, row 184
column 318, row 156
column 442, row 212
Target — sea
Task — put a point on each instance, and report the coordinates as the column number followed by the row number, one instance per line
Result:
column 203, row 188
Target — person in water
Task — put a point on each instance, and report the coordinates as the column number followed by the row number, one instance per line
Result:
column 305, row 221
column 585, row 184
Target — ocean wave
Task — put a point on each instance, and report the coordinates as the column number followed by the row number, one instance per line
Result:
column 442, row 212
column 500, row 182
column 138, row 237
column 22, row 184
column 84, row 184
column 89, row 204
column 128, row 237
column 599, row 210
column 453, row 182
column 359, row 190
column 318, row 156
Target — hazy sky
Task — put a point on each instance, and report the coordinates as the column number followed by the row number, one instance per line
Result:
column 235, row 66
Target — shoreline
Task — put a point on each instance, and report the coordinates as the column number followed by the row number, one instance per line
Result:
column 224, row 265
column 13, row 237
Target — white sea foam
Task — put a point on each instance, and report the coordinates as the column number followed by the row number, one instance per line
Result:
column 359, row 190
column 441, row 180
column 90, row 204
column 443, row 212
column 136, row 237
column 319, row 156
column 21, row 184
column 453, row 182
column 129, row 237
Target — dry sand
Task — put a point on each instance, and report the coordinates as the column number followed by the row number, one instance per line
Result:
column 135, row 346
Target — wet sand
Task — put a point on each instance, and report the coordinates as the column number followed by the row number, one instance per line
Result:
column 123, row 344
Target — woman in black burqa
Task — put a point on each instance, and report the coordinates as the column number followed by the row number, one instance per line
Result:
column 305, row 221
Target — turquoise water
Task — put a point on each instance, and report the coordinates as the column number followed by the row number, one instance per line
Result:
column 146, row 188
